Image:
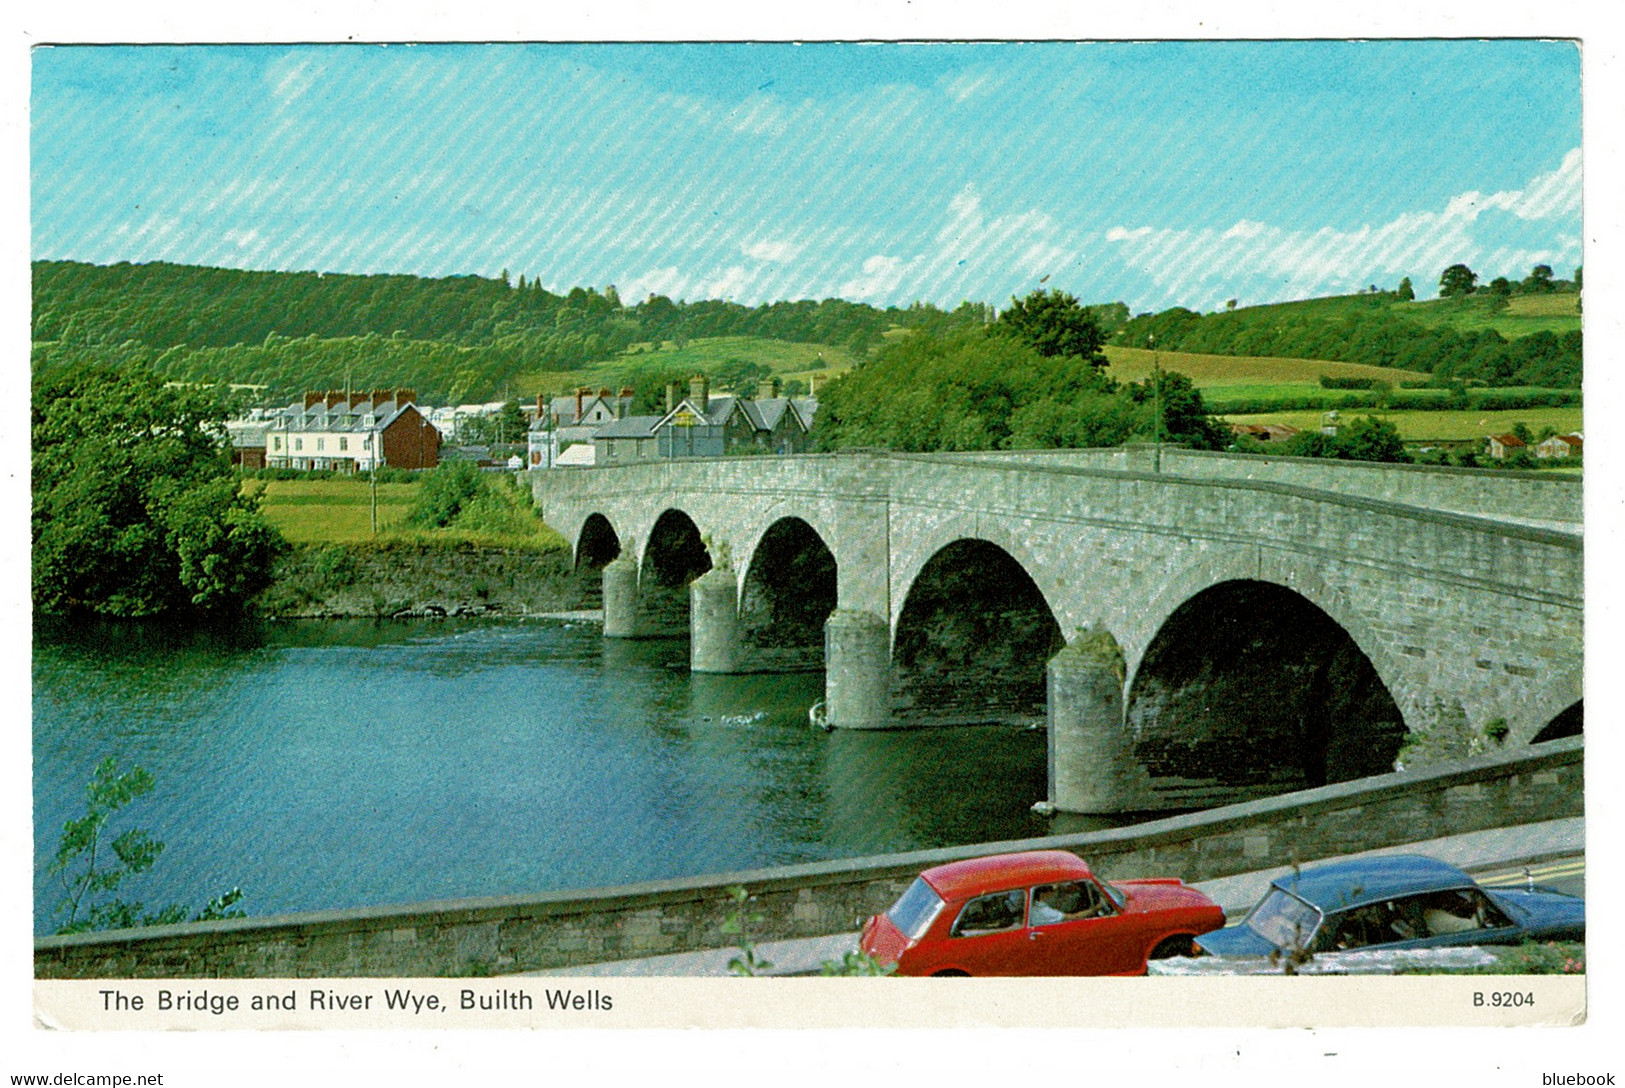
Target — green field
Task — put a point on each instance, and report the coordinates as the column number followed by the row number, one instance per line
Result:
column 1558, row 313
column 783, row 358
column 1247, row 373
column 340, row 512
column 1445, row 426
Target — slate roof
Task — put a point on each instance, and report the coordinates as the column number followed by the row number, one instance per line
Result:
column 630, row 427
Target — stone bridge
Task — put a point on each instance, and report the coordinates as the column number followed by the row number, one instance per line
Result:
column 1194, row 629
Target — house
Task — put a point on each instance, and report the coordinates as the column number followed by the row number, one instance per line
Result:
column 1502, row 444
column 247, row 440
column 353, row 432
column 1560, row 445
column 702, row 425
column 574, row 418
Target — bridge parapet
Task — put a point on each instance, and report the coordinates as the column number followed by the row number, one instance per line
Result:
column 1540, row 498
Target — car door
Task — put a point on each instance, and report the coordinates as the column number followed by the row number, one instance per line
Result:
column 989, row 935
column 1074, row 928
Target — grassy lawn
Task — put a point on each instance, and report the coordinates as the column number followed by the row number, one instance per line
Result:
column 785, row 359
column 340, row 512
column 1445, row 426
column 332, row 511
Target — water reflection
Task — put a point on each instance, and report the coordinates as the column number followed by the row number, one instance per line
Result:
column 335, row 764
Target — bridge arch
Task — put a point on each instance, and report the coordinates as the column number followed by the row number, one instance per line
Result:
column 1570, row 723
column 597, row 544
column 1559, row 712
column 787, row 591
column 972, row 638
column 674, row 554
column 1141, row 625
column 1250, row 688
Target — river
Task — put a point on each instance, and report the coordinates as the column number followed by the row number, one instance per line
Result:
column 332, row 764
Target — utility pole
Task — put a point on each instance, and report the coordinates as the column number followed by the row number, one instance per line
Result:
column 1156, row 405
column 372, row 478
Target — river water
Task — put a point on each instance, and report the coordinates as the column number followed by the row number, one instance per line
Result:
column 332, row 764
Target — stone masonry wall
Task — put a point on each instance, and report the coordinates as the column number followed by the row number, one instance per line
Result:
column 519, row 933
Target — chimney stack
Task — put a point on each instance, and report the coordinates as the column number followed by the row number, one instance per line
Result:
column 405, row 396
column 581, row 396
column 699, row 391
column 671, row 395
column 380, row 396
column 312, row 399
column 335, row 396
column 767, row 388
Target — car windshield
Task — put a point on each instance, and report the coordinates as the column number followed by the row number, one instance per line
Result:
column 1284, row 920
column 914, row 912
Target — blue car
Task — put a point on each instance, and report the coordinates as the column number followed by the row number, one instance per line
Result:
column 1397, row 901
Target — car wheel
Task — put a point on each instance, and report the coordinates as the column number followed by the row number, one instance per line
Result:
column 950, row 974
column 1169, row 947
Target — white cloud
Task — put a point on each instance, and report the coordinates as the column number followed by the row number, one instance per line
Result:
column 1198, row 265
column 881, row 275
column 728, row 284
column 770, row 251
column 243, row 238
column 1123, row 234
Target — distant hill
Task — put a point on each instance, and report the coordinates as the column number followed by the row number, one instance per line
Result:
column 456, row 338
column 1524, row 339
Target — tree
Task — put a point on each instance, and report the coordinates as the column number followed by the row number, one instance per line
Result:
column 510, row 423
column 136, row 509
column 1369, row 439
column 1406, row 292
column 86, row 873
column 1363, row 439
column 1457, row 281
column 1539, row 280
column 1185, row 419
column 1053, row 324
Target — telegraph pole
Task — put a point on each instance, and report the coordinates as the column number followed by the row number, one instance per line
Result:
column 1156, row 405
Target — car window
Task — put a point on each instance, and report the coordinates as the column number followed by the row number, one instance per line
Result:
column 1460, row 910
column 990, row 914
column 916, row 910
column 1284, row 920
column 1376, row 924
column 1066, row 902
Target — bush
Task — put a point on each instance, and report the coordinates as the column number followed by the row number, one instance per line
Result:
column 446, row 490
column 1329, row 382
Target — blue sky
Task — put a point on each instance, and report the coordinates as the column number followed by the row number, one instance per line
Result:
column 1160, row 173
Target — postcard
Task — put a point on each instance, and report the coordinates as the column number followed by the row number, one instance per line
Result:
column 724, row 534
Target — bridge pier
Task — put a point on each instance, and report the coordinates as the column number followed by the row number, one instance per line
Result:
column 857, row 670
column 621, row 598
column 714, row 644
column 1091, row 757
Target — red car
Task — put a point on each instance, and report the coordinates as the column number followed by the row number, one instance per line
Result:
column 1036, row 913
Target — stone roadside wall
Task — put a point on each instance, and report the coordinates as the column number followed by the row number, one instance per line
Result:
column 519, row 933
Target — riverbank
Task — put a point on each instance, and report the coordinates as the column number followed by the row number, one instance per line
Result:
column 413, row 580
